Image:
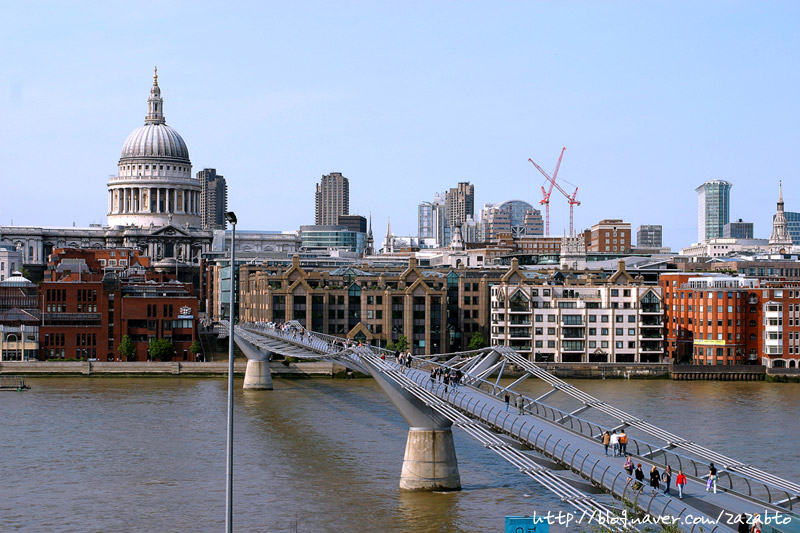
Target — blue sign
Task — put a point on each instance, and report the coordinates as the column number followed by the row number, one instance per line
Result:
column 527, row 524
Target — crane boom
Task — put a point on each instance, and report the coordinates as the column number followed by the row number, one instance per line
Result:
column 546, row 194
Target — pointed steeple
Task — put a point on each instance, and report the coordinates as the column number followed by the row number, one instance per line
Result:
column 370, row 249
column 388, row 246
column 155, row 104
column 780, row 239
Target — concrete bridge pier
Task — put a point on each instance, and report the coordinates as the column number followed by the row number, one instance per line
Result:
column 257, row 376
column 430, row 462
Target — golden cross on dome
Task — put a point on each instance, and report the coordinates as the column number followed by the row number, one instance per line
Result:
column 155, row 76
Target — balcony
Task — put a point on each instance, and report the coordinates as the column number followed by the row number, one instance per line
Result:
column 649, row 337
column 571, row 295
column 649, row 309
column 651, row 349
column 570, row 347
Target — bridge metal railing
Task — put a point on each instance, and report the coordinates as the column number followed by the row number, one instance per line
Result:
column 763, row 488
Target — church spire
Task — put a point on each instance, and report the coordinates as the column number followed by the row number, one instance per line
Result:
column 155, row 104
column 370, row 250
column 780, row 239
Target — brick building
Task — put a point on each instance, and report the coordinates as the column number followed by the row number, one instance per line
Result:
column 723, row 319
column 85, row 313
column 609, row 235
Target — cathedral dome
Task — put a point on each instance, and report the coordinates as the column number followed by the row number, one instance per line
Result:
column 155, row 141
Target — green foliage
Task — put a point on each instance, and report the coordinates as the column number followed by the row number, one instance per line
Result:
column 400, row 346
column 476, row 341
column 161, row 349
column 195, row 347
column 127, row 348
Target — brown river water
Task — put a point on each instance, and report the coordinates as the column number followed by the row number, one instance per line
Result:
column 148, row 454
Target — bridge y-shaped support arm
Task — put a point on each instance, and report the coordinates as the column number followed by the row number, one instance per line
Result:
column 430, row 462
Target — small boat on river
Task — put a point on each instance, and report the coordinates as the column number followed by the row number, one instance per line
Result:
column 13, row 383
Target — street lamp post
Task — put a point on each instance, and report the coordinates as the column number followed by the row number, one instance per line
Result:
column 231, row 217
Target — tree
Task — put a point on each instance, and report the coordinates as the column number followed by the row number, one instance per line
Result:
column 476, row 341
column 127, row 348
column 195, row 347
column 161, row 349
column 400, row 346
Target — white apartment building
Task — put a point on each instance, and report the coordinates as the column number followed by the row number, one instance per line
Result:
column 619, row 320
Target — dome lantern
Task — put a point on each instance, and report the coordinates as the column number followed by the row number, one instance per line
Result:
column 155, row 104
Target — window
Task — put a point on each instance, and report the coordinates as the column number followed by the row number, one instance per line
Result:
column 631, row 331
column 618, row 331
column 618, row 344
column 631, row 318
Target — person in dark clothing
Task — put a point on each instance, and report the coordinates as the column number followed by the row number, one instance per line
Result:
column 655, row 480
column 744, row 527
column 667, row 479
column 639, row 475
column 507, row 399
column 712, row 478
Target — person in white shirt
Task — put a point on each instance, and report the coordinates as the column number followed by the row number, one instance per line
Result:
column 614, row 442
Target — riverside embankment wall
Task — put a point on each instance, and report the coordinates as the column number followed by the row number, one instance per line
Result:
column 216, row 368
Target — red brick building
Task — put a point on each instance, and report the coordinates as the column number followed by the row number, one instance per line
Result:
column 86, row 313
column 724, row 320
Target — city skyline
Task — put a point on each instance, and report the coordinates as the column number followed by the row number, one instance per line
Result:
column 418, row 100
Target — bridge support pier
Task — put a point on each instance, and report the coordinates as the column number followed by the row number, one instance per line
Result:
column 430, row 462
column 257, row 376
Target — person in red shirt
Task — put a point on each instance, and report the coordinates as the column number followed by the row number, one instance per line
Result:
column 680, row 482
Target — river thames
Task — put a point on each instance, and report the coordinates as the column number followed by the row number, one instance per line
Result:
column 148, row 454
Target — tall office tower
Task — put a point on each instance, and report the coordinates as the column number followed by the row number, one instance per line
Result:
column 431, row 220
column 793, row 225
column 649, row 236
column 332, row 199
column 213, row 199
column 713, row 209
column 459, row 203
column 534, row 223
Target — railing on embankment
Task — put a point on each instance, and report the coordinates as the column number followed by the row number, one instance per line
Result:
column 155, row 368
column 718, row 372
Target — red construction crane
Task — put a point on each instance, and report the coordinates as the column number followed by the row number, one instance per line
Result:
column 572, row 203
column 546, row 194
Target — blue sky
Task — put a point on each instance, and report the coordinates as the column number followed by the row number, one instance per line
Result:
column 407, row 99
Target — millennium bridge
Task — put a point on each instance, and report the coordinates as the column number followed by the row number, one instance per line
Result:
column 540, row 440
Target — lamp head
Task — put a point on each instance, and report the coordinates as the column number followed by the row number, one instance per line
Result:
column 230, row 216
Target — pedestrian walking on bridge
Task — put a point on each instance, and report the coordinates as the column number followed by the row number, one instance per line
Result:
column 521, row 404
column 680, row 482
column 507, row 399
column 606, row 441
column 667, row 477
column 614, row 440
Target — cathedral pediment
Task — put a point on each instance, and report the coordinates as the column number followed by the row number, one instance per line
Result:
column 168, row 231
